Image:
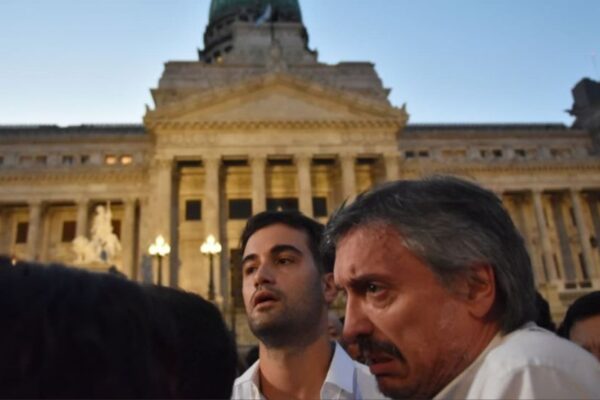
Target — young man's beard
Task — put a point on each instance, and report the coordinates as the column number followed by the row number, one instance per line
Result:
column 293, row 325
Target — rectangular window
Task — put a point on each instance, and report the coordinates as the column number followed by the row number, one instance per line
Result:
column 235, row 260
column 21, row 236
column 319, row 206
column 25, row 160
column 240, row 208
column 68, row 231
column 1, row 160
column 193, row 210
column 116, row 225
column 110, row 160
column 409, row 154
column 41, row 160
column 284, row 204
column 85, row 159
column 423, row 153
column 126, row 160
column 68, row 160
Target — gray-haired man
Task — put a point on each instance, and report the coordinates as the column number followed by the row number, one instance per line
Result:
column 440, row 297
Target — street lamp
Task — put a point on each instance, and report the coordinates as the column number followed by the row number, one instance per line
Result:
column 210, row 247
column 159, row 248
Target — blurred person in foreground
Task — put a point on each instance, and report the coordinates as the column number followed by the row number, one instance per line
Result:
column 70, row 333
column 287, row 293
column 441, row 299
column 582, row 323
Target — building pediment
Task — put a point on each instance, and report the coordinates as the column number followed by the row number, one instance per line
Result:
column 274, row 99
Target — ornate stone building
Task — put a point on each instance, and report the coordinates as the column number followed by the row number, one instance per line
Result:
column 259, row 123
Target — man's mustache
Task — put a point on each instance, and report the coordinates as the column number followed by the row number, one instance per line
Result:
column 369, row 346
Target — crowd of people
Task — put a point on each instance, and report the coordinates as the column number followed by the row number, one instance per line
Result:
column 440, row 302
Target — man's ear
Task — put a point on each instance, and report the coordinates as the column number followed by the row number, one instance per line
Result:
column 330, row 291
column 481, row 290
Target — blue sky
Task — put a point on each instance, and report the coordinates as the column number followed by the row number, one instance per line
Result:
column 94, row 61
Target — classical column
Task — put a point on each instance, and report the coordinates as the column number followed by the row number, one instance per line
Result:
column 161, row 212
column 210, row 214
column 258, row 166
column 127, row 239
column 584, row 235
column 544, row 238
column 34, row 230
column 82, row 217
column 4, row 232
column 347, row 164
column 303, row 162
column 392, row 166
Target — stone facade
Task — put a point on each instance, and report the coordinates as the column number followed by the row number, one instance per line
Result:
column 266, row 126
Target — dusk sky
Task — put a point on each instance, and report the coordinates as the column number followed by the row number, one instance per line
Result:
column 69, row 62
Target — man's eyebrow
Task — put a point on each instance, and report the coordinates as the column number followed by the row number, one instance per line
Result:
column 279, row 248
column 248, row 258
column 362, row 280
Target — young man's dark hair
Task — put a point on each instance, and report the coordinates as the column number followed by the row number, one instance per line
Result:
column 584, row 307
column 293, row 219
column 207, row 356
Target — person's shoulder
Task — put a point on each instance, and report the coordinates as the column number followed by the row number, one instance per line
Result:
column 533, row 362
column 535, row 346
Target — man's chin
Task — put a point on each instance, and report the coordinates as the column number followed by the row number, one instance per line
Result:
column 390, row 386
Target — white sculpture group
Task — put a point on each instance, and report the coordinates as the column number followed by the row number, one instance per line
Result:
column 103, row 246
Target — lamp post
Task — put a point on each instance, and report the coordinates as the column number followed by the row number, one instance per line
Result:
column 159, row 248
column 210, row 247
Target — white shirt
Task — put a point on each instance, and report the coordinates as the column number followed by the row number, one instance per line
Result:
column 345, row 380
column 529, row 363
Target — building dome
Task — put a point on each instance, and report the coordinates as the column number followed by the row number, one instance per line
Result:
column 251, row 10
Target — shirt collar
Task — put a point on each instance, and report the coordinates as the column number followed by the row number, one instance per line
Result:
column 341, row 370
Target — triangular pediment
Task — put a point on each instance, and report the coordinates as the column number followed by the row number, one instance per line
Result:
column 275, row 98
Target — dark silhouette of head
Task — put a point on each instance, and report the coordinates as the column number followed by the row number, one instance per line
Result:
column 207, row 356
column 70, row 333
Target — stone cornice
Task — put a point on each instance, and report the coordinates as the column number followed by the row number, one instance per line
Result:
column 259, row 125
column 529, row 167
column 46, row 177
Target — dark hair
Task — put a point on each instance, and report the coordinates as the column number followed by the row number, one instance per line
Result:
column 71, row 333
column 206, row 352
column 584, row 307
column 452, row 225
column 295, row 220
column 544, row 318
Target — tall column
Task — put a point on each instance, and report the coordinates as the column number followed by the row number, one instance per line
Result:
column 303, row 162
column 347, row 164
column 210, row 215
column 4, row 232
column 127, row 239
column 584, row 235
column 82, row 217
column 34, row 230
column 392, row 166
column 258, row 166
column 544, row 237
column 161, row 212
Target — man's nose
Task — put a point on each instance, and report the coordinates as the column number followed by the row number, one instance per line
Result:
column 264, row 275
column 356, row 322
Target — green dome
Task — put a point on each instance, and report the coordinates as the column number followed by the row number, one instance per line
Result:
column 282, row 10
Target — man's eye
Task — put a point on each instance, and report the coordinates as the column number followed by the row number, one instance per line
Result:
column 249, row 270
column 373, row 288
column 284, row 261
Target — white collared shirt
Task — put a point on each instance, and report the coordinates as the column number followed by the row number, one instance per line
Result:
column 345, row 380
column 529, row 363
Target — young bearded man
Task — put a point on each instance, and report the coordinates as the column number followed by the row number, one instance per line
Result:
column 287, row 294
